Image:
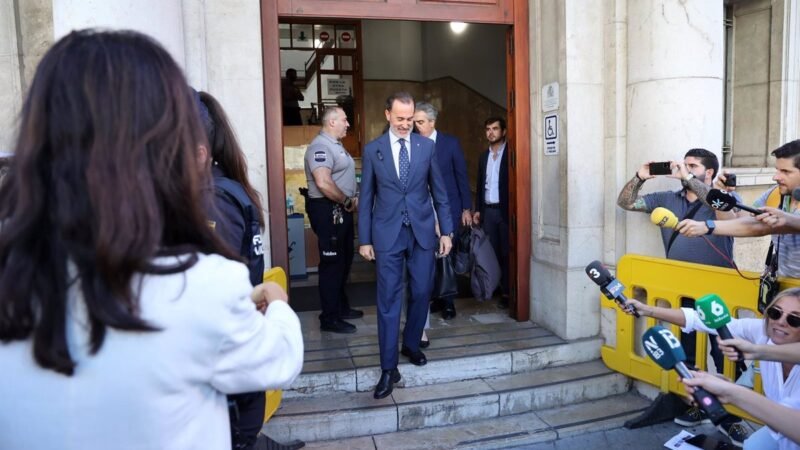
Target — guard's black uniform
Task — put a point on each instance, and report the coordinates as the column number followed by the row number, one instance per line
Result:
column 332, row 224
column 236, row 221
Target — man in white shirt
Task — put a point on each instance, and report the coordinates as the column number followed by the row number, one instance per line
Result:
column 491, row 198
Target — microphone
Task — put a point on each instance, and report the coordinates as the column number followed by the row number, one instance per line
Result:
column 796, row 194
column 664, row 348
column 609, row 286
column 380, row 155
column 725, row 201
column 663, row 217
column 715, row 315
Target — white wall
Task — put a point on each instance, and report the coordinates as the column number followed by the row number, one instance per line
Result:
column 161, row 19
column 392, row 50
column 10, row 82
column 476, row 57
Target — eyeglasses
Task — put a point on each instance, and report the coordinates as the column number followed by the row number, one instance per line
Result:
column 776, row 313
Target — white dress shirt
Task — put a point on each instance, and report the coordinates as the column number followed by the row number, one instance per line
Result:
column 395, row 142
column 433, row 135
column 164, row 389
column 492, row 186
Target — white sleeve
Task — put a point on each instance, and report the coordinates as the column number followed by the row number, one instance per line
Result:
column 258, row 352
column 693, row 323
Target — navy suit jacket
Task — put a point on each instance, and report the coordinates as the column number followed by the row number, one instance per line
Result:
column 383, row 199
column 454, row 172
column 480, row 196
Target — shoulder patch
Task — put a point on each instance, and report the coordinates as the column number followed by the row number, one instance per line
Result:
column 320, row 156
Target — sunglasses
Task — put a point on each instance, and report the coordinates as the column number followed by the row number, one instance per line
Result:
column 776, row 313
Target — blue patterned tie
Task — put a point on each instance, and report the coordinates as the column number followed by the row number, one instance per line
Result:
column 404, row 165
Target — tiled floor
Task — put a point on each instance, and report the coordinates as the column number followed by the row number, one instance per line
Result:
column 479, row 328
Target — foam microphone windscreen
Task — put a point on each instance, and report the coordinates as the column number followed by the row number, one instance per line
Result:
column 720, row 200
column 664, row 218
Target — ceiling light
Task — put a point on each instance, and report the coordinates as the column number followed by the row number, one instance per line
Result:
column 458, row 27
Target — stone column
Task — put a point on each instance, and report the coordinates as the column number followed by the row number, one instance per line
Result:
column 567, row 195
column 675, row 94
column 10, row 75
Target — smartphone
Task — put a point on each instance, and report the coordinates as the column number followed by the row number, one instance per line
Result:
column 730, row 179
column 708, row 443
column 660, row 168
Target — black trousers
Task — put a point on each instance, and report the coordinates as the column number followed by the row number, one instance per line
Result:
column 247, row 418
column 335, row 242
column 496, row 228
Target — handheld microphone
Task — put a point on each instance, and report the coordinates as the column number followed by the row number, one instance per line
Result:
column 609, row 286
column 715, row 315
column 663, row 217
column 725, row 201
column 665, row 349
column 796, row 194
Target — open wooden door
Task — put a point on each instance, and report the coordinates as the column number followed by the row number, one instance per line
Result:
column 510, row 12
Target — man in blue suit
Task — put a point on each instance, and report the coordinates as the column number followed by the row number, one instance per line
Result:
column 396, row 230
column 491, row 198
column 454, row 171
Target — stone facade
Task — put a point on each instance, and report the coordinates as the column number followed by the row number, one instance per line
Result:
column 637, row 81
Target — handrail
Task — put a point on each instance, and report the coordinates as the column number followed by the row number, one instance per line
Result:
column 667, row 282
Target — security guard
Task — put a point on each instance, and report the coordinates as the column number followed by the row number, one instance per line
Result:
column 331, row 177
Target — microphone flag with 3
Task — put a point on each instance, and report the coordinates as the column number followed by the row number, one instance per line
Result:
column 609, row 286
column 714, row 314
column 665, row 349
column 725, row 201
column 663, row 217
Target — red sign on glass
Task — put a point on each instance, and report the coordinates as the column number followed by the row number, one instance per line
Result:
column 324, row 36
column 346, row 37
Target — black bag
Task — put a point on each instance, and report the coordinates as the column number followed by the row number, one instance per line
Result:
column 445, row 283
column 463, row 259
column 768, row 286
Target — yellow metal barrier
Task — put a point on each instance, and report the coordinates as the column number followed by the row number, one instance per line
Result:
column 666, row 282
column 276, row 275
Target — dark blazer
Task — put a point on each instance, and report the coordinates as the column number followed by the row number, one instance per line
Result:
column 454, row 171
column 382, row 198
column 503, row 183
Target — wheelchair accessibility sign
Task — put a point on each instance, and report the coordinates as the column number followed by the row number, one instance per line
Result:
column 551, row 134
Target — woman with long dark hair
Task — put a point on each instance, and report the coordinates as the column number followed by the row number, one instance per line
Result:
column 123, row 322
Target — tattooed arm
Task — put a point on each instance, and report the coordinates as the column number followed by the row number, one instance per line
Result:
column 701, row 190
column 629, row 198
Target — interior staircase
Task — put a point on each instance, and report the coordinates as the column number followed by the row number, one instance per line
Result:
column 490, row 382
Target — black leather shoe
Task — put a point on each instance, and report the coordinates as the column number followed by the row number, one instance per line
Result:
column 417, row 358
column 351, row 314
column 340, row 326
column 436, row 305
column 386, row 383
column 449, row 312
column 503, row 302
column 424, row 344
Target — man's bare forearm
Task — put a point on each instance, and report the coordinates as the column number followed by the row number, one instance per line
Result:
column 629, row 198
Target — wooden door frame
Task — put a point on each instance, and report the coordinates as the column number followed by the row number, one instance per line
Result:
column 519, row 120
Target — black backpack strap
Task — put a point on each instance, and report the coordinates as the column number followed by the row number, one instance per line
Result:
column 689, row 215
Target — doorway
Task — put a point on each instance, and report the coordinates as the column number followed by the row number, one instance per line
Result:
column 508, row 12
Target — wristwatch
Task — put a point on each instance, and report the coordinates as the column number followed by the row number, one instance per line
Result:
column 710, row 225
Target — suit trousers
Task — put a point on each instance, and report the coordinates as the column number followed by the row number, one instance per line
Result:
column 336, row 251
column 496, row 227
column 405, row 253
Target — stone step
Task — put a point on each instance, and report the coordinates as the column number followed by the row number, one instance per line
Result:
column 456, row 354
column 506, row 431
column 345, row 415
